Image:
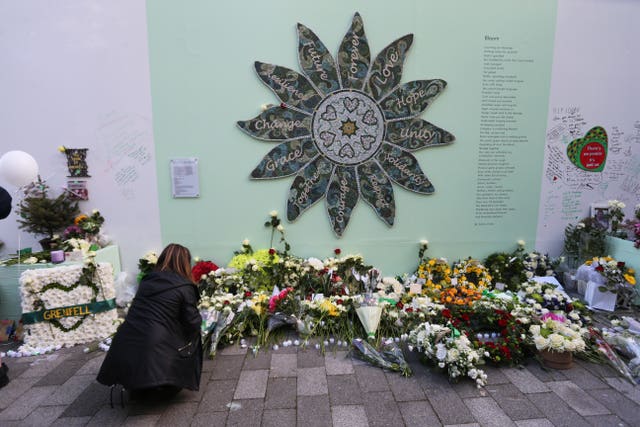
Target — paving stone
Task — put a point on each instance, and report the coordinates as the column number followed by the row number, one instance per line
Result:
column 209, row 419
column 231, row 350
column 371, row 378
column 381, row 409
column 310, row 358
column 495, row 375
column 349, row 416
column 313, row 411
column 69, row 391
column 524, row 380
column 260, row 360
column 466, row 389
column 312, row 381
column 535, row 422
column 147, row 407
column 89, row 401
column 344, row 390
column 141, row 420
column 29, row 401
column 545, row 374
column 623, row 386
column 577, row 399
column 487, row 412
column 463, row 425
column 606, row 421
column 42, row 365
column 513, row 402
column 279, row 418
column 338, row 363
column 252, row 384
column 584, row 379
column 248, row 413
column 556, row 410
column 178, row 414
column 186, row 395
column 600, row 369
column 404, row 389
column 618, row 404
column 108, row 416
column 283, row 365
column 16, row 388
column 16, row 369
column 43, row 416
column 418, row 413
column 92, row 366
column 227, row 367
column 217, row 396
column 71, row 422
column 281, row 393
column 447, row 404
column 61, row 373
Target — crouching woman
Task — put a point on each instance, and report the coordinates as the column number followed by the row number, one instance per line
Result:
column 158, row 346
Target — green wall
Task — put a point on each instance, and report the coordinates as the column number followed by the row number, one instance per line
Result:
column 203, row 81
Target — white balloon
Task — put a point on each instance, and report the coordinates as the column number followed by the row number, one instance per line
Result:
column 18, row 168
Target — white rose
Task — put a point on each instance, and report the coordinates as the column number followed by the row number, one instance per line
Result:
column 424, row 242
column 556, row 341
column 245, row 242
column 521, row 243
column 534, row 329
column 280, row 228
column 273, row 214
column 441, row 351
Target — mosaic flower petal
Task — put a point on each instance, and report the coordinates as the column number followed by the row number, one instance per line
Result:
column 386, row 70
column 291, row 87
column 316, row 61
column 404, row 169
column 377, row 191
column 278, row 123
column 411, row 98
column 414, row 134
column 309, row 186
column 342, row 197
column 354, row 56
column 286, row 159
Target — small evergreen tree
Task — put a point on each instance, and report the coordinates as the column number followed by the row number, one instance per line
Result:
column 42, row 215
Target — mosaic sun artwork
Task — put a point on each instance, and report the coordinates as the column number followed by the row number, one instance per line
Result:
column 346, row 127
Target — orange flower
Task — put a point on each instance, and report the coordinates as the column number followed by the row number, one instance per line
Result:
column 79, row 219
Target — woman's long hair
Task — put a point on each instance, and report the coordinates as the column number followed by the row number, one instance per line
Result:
column 175, row 258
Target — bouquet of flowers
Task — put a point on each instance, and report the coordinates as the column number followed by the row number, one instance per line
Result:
column 389, row 357
column 616, row 273
column 146, row 264
column 369, row 312
column 507, row 268
column 472, row 271
column 449, row 349
column 556, row 334
column 201, row 270
column 537, row 264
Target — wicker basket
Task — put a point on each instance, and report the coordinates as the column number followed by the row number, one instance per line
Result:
column 556, row 360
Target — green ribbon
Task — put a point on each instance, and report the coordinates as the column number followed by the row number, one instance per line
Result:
column 486, row 293
column 455, row 332
column 389, row 300
column 68, row 311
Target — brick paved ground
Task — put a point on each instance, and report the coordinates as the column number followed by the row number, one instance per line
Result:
column 294, row 386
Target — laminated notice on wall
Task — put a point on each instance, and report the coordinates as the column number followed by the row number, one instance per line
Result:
column 184, row 177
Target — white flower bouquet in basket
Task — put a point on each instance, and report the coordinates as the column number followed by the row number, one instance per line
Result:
column 369, row 311
column 558, row 335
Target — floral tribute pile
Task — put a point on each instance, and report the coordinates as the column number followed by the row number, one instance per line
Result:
column 67, row 305
column 456, row 315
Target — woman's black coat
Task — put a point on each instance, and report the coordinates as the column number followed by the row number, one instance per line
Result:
column 163, row 318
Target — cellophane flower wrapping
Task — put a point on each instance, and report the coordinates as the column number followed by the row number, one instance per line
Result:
column 388, row 358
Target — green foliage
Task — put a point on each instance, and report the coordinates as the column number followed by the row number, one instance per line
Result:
column 42, row 215
column 585, row 240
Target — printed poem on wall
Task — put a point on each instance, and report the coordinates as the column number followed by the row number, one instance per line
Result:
column 500, row 132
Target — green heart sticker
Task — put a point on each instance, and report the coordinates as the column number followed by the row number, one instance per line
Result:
column 590, row 152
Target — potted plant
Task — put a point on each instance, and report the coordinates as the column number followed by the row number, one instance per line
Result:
column 42, row 215
column 556, row 339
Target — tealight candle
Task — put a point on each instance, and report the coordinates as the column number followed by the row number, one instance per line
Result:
column 57, row 257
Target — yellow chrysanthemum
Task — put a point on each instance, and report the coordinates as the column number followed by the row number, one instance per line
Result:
column 79, row 219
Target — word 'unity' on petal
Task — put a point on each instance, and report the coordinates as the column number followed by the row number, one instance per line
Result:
column 346, row 127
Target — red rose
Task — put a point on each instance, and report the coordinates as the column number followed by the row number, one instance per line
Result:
column 502, row 323
column 247, row 294
column 599, row 268
column 409, row 310
column 283, row 105
column 621, row 264
column 400, row 305
column 226, row 302
column 272, row 251
column 337, row 251
column 201, row 268
column 339, row 302
column 446, row 313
